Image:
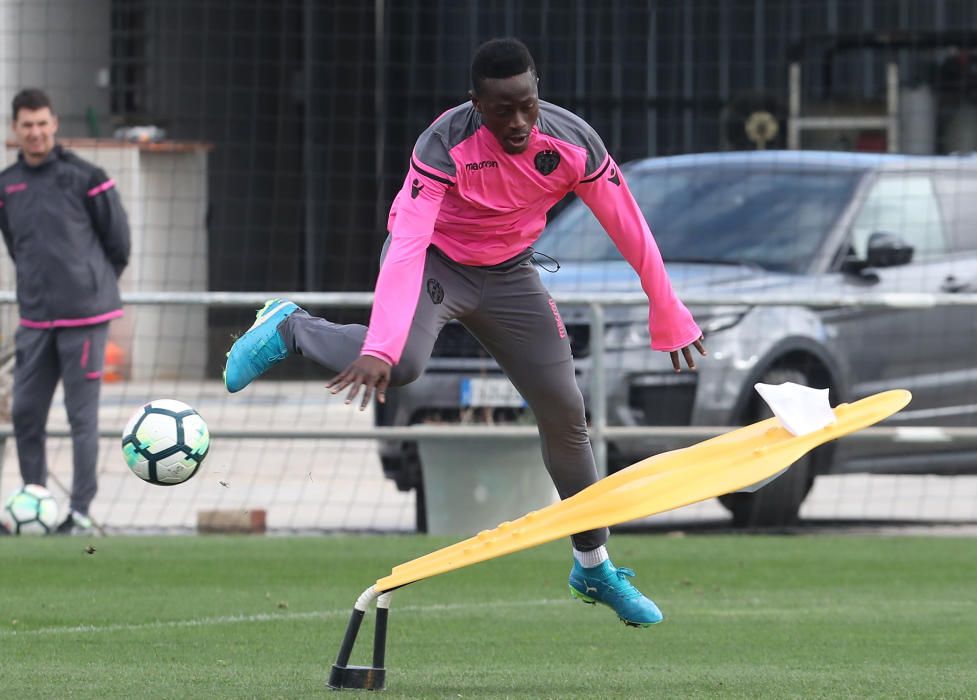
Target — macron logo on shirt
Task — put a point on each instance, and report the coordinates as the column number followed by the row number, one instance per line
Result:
column 415, row 188
column 481, row 165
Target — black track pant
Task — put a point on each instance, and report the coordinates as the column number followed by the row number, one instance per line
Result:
column 44, row 356
column 509, row 311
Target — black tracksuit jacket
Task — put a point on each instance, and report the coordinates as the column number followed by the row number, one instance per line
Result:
column 68, row 235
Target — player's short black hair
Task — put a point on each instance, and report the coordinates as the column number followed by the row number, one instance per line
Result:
column 500, row 58
column 30, row 99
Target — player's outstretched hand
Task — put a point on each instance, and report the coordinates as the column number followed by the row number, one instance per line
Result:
column 366, row 372
column 687, row 354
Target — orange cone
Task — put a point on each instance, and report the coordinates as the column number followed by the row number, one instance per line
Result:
column 114, row 360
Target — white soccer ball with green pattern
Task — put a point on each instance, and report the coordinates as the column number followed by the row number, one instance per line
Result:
column 165, row 442
column 30, row 510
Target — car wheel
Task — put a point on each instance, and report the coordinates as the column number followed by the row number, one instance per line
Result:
column 778, row 503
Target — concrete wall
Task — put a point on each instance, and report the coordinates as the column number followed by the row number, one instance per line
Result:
column 62, row 47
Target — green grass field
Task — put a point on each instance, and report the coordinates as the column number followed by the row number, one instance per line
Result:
column 746, row 617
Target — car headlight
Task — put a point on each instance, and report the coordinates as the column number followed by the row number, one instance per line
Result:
column 630, row 336
column 719, row 318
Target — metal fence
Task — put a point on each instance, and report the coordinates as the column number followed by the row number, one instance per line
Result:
column 281, row 457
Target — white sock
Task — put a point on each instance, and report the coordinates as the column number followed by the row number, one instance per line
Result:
column 594, row 557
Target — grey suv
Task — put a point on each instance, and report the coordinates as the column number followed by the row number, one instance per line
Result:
column 793, row 224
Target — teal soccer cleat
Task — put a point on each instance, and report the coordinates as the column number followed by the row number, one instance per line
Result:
column 259, row 348
column 609, row 585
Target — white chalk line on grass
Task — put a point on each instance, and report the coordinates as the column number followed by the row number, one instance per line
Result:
column 816, row 608
column 685, row 613
column 272, row 617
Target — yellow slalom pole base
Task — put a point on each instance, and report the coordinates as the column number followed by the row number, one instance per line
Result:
column 722, row 465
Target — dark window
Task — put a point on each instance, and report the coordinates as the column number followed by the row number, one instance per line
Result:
column 773, row 219
column 129, row 66
column 904, row 204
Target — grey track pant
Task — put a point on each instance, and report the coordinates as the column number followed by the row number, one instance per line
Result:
column 509, row 311
column 45, row 356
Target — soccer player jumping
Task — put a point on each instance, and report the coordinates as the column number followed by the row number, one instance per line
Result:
column 480, row 181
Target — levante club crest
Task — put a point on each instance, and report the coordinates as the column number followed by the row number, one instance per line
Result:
column 435, row 291
column 547, row 161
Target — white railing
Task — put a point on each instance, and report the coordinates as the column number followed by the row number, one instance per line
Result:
column 599, row 430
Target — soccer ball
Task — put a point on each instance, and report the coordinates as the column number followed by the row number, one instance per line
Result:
column 165, row 442
column 30, row 510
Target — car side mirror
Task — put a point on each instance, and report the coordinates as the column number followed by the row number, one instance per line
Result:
column 888, row 250
column 884, row 250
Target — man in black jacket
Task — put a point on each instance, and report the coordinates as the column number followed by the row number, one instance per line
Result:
column 68, row 235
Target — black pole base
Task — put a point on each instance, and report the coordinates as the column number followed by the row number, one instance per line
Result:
column 356, row 677
column 372, row 677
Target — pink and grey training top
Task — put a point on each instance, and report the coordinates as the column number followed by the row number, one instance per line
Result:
column 481, row 206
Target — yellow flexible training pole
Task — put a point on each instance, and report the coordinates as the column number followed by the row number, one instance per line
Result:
column 721, row 465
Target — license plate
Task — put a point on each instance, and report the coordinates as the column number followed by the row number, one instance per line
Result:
column 490, row 391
